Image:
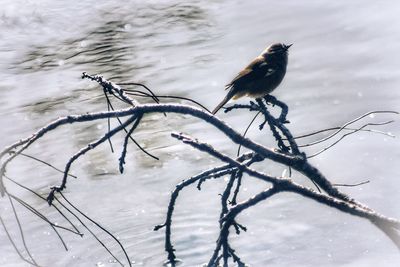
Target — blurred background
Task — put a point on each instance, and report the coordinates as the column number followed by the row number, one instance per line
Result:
column 344, row 63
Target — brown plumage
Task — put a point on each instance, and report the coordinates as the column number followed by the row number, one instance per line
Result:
column 261, row 76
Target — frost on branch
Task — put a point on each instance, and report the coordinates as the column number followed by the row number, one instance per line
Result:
column 287, row 152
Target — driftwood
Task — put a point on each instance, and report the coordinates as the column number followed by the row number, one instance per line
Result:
column 287, row 152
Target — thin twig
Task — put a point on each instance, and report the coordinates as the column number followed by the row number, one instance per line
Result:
column 245, row 132
column 125, row 145
column 83, row 152
column 343, row 136
column 352, row 185
column 353, row 121
column 144, row 86
column 44, row 218
column 44, row 162
column 13, row 243
column 44, row 199
column 346, row 128
column 133, row 140
column 103, row 229
column 21, row 231
column 142, row 94
column 108, row 120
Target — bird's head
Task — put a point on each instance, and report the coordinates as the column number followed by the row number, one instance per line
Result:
column 276, row 49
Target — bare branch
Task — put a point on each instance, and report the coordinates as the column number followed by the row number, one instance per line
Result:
column 346, row 205
column 211, row 173
column 83, row 151
column 287, row 153
column 110, row 87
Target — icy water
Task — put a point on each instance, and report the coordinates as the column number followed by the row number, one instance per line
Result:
column 345, row 61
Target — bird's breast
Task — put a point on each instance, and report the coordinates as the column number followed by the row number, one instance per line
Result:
column 266, row 84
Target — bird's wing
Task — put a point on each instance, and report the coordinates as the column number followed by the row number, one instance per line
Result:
column 257, row 69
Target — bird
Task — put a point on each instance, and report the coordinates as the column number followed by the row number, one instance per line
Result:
column 261, row 76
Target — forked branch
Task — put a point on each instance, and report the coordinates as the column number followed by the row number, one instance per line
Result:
column 287, row 153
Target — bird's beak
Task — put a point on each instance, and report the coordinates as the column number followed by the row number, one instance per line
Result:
column 287, row 46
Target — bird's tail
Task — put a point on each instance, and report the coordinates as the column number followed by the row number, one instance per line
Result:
column 220, row 105
column 223, row 102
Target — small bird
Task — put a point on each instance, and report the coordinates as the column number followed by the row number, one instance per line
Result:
column 261, row 76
